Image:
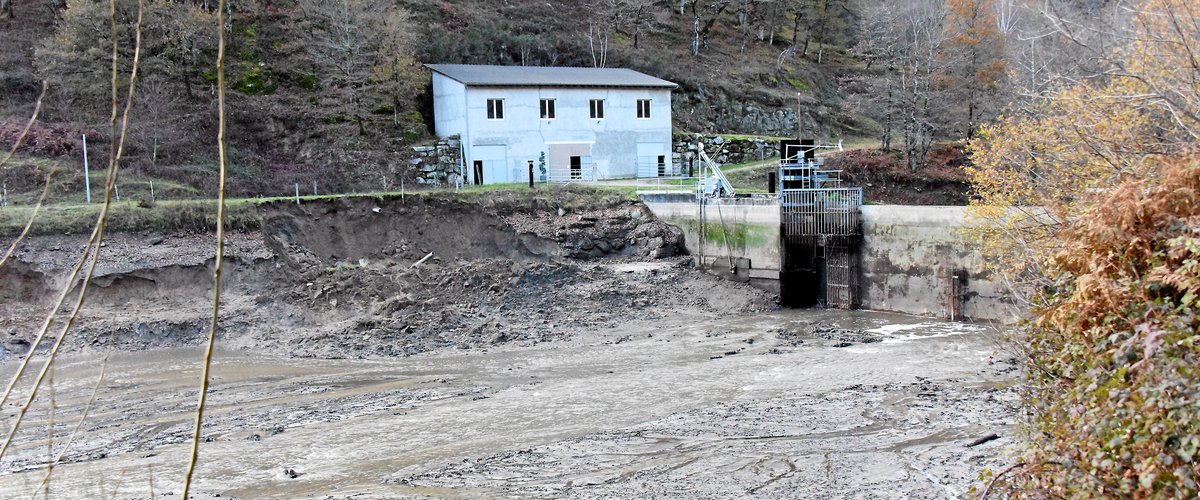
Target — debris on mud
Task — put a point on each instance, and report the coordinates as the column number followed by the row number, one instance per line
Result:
column 833, row 335
column 843, row 337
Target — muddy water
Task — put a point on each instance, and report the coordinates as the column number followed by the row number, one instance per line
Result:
column 739, row 406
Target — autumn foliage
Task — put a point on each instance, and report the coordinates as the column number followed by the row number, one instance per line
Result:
column 1115, row 352
column 1038, row 168
column 1089, row 206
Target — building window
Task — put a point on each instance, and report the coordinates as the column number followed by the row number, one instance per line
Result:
column 495, row 109
column 547, row 109
column 597, row 108
column 643, row 108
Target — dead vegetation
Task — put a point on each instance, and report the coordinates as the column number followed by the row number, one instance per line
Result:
column 886, row 178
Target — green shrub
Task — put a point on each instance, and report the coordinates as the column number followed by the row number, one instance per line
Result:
column 306, row 81
column 1114, row 355
column 384, row 109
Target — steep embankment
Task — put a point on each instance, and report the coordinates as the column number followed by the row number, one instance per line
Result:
column 378, row 277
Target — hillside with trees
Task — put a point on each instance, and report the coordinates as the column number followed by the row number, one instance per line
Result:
column 336, row 90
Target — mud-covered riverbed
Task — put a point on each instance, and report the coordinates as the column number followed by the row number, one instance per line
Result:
column 762, row 405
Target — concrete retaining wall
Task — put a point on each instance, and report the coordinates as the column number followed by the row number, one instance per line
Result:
column 910, row 254
column 743, row 232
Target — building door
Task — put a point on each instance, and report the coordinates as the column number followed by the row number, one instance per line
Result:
column 491, row 163
column 650, row 158
column 570, row 162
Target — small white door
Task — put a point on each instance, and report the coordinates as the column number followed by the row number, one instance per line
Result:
column 495, row 163
column 649, row 155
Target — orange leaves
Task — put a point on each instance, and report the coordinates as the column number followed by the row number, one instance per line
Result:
column 1113, row 350
column 972, row 22
column 1116, row 343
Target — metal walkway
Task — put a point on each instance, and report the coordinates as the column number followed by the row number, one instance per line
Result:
column 814, row 203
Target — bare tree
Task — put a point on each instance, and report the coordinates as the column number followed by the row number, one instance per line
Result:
column 640, row 15
column 771, row 10
column 163, row 112
column 879, row 46
column 756, row 18
column 905, row 41
column 598, row 37
column 1007, row 16
column 349, row 40
column 704, row 15
column 606, row 16
column 918, row 65
column 342, row 41
column 1058, row 42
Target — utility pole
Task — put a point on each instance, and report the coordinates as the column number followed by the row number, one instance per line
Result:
column 87, row 178
column 799, row 124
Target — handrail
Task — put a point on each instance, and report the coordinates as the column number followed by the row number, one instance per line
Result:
column 566, row 176
column 666, row 184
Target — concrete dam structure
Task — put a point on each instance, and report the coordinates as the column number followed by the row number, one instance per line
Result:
column 815, row 244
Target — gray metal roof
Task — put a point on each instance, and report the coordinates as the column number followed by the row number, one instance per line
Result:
column 544, row 76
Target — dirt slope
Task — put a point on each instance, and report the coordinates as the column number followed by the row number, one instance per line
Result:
column 350, row 278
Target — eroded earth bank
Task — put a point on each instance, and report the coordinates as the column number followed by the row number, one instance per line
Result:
column 556, row 346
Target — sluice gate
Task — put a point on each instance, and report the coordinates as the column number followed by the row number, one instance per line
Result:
column 802, row 239
column 820, row 229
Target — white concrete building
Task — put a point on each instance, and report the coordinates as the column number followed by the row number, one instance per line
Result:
column 583, row 123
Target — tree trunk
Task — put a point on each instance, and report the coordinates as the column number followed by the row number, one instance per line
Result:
column 187, row 83
column 6, row 9
column 970, row 117
column 695, row 33
column 796, row 31
column 395, row 110
column 885, row 138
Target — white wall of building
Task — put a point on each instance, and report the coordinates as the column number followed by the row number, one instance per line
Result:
column 616, row 141
column 449, row 104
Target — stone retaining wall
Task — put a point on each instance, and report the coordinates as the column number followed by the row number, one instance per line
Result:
column 439, row 163
column 723, row 150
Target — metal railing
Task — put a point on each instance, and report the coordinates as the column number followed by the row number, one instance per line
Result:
column 665, row 185
column 808, row 175
column 650, row 167
column 586, row 173
column 821, row 212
